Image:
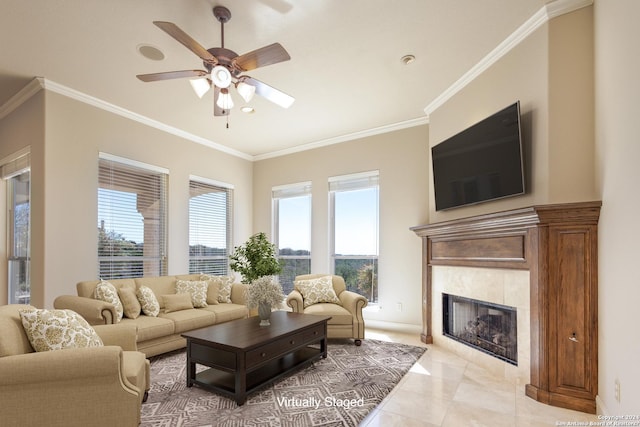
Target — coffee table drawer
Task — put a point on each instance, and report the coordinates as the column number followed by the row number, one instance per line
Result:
column 283, row 346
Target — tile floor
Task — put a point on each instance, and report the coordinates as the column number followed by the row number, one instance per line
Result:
column 443, row 389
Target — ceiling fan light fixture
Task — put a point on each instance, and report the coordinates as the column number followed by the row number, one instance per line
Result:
column 246, row 91
column 200, row 86
column 221, row 76
column 224, row 100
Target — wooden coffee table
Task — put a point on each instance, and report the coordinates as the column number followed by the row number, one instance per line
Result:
column 243, row 356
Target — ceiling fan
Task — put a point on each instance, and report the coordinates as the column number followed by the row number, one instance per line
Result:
column 224, row 68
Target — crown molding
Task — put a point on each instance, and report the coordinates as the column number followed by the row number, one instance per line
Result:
column 541, row 17
column 33, row 87
column 344, row 138
column 123, row 112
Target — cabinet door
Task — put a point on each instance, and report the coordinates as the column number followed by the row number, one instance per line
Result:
column 572, row 311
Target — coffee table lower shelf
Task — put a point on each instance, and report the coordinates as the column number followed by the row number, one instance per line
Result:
column 225, row 382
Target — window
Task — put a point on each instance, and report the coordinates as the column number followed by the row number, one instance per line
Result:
column 292, row 230
column 210, row 215
column 131, row 219
column 353, row 201
column 16, row 173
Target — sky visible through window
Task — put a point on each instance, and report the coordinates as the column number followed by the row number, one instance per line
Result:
column 132, row 230
column 294, row 216
column 356, row 222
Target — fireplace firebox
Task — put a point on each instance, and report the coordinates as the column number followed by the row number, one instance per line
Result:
column 488, row 327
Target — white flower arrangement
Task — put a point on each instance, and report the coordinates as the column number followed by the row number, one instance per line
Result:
column 264, row 289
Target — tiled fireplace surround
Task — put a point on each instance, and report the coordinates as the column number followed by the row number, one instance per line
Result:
column 499, row 286
column 541, row 260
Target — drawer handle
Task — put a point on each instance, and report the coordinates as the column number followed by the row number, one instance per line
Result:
column 263, row 354
column 573, row 337
column 292, row 342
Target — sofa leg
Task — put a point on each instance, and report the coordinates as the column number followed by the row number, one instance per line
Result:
column 145, row 397
column 358, row 342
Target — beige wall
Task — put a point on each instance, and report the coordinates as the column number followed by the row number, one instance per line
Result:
column 402, row 159
column 556, row 111
column 64, row 192
column 617, row 67
column 24, row 127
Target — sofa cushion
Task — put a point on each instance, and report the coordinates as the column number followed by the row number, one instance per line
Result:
column 163, row 285
column 106, row 292
column 223, row 283
column 177, row 302
column 148, row 301
column 226, row 312
column 14, row 339
column 151, row 327
column 186, row 320
column 316, row 290
column 130, row 304
column 196, row 288
column 57, row 329
column 339, row 315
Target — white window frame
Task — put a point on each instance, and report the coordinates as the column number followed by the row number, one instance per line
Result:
column 217, row 186
column 154, row 258
column 278, row 193
column 356, row 181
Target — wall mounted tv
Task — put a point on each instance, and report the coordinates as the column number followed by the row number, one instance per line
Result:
column 481, row 163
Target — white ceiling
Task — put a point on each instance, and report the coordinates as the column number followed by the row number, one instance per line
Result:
column 345, row 69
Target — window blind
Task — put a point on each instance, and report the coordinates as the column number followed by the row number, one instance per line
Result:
column 132, row 219
column 210, row 226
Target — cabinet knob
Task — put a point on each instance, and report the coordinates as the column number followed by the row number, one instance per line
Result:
column 292, row 342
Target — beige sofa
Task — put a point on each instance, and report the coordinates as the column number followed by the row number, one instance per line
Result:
column 97, row 386
column 159, row 334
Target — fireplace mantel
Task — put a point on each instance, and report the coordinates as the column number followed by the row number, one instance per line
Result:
column 557, row 244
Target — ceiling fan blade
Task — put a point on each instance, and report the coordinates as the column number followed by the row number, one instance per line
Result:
column 264, row 56
column 217, row 111
column 174, row 31
column 154, row 77
column 270, row 93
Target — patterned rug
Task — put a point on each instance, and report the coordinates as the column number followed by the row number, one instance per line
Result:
column 337, row 391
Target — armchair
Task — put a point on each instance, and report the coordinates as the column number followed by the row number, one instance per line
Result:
column 97, row 386
column 346, row 313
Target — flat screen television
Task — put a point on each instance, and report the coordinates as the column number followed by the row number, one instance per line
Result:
column 483, row 162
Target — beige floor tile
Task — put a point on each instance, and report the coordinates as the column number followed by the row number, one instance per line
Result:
column 444, row 389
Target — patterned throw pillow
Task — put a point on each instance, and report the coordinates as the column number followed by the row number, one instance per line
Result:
column 106, row 292
column 57, row 330
column 176, row 302
column 316, row 290
column 148, row 301
column 130, row 303
column 196, row 288
column 224, row 284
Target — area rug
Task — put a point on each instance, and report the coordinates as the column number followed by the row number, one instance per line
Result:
column 337, row 391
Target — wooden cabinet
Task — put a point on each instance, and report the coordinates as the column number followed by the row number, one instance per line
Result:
column 558, row 245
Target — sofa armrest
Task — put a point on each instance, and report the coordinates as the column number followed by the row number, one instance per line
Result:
column 122, row 335
column 239, row 293
column 94, row 311
column 65, row 383
column 353, row 302
column 294, row 300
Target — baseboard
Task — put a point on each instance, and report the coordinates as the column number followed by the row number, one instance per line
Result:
column 601, row 409
column 393, row 326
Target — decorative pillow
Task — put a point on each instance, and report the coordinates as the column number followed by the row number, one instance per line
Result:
column 106, row 292
column 130, row 304
column 224, row 284
column 148, row 301
column 176, row 302
column 57, row 330
column 316, row 290
column 197, row 290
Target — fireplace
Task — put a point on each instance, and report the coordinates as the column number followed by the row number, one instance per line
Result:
column 485, row 326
